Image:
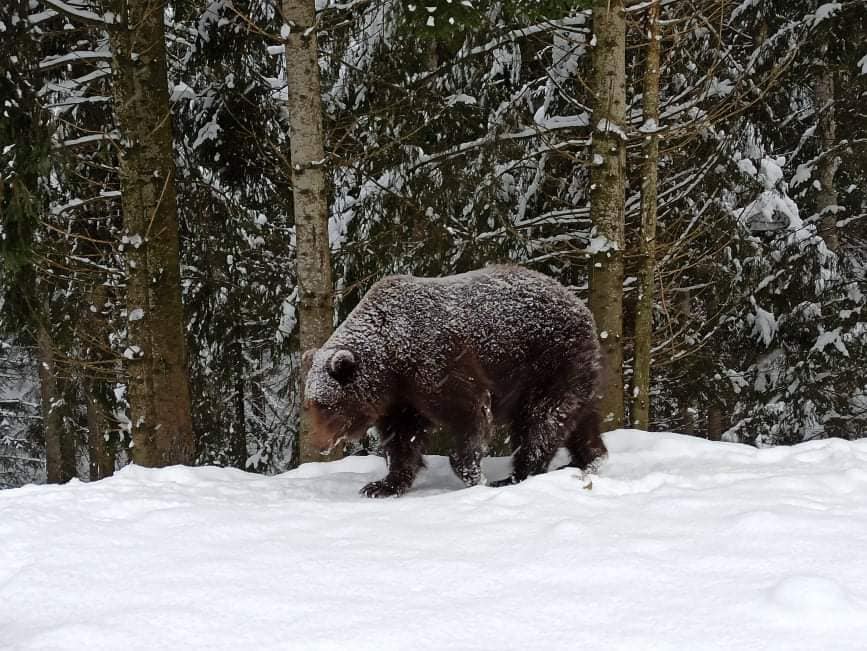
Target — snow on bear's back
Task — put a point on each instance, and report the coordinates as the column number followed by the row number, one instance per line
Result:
column 503, row 314
column 500, row 312
column 486, row 295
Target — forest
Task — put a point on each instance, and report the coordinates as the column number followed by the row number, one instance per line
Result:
column 193, row 192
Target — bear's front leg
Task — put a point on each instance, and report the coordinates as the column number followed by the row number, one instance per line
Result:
column 467, row 464
column 585, row 442
column 477, row 418
column 403, row 436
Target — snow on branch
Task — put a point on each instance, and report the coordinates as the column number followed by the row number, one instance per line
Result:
column 84, row 140
column 105, row 195
column 71, row 85
column 78, row 12
column 573, row 21
column 646, row 4
column 77, row 55
column 35, row 19
column 76, row 101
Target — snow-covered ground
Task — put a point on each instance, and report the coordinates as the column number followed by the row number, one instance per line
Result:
column 679, row 544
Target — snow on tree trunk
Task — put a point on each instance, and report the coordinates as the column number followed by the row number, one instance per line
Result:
column 826, row 130
column 159, row 396
column 607, row 199
column 313, row 253
column 647, row 237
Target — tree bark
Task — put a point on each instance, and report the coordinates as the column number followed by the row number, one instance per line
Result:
column 826, row 131
column 307, row 151
column 687, row 421
column 238, row 435
column 647, row 236
column 607, row 196
column 100, row 448
column 159, row 395
column 59, row 443
column 714, row 422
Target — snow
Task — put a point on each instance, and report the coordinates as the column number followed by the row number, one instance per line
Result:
column 746, row 166
column 831, row 337
column 764, row 324
column 680, row 544
column 770, row 173
column 827, row 10
column 73, row 57
column 649, row 126
column 181, row 91
column 607, row 126
column 132, row 352
column 80, row 12
column 134, row 241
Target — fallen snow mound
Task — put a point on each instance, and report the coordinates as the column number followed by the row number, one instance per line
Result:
column 680, row 544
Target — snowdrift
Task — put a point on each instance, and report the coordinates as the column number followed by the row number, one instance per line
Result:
column 680, row 544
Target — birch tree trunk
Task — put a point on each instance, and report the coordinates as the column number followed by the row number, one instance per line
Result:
column 159, row 396
column 607, row 197
column 647, row 237
column 826, row 131
column 307, row 151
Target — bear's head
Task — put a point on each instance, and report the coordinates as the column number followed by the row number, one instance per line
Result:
column 334, row 397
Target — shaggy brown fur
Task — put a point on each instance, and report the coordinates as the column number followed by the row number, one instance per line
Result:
column 502, row 346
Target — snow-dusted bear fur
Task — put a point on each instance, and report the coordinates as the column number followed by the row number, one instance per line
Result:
column 501, row 346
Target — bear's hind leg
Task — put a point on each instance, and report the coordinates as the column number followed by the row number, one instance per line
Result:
column 403, row 437
column 536, row 452
column 528, row 459
column 536, row 435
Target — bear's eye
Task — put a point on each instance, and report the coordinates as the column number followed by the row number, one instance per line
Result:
column 342, row 366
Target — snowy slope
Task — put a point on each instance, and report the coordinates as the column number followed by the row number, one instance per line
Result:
column 680, row 544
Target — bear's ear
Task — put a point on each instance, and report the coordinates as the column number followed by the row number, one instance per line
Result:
column 341, row 366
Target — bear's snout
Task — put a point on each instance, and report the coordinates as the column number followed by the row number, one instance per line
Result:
column 322, row 431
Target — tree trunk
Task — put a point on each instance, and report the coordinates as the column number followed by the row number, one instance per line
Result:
column 607, row 198
column 683, row 310
column 714, row 422
column 826, row 128
column 159, row 395
column 59, row 443
column 100, row 450
column 238, row 435
column 687, row 422
column 307, row 150
column 647, row 236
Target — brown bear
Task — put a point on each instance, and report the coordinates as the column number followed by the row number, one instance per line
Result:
column 502, row 346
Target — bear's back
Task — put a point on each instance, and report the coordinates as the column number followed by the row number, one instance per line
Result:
column 507, row 315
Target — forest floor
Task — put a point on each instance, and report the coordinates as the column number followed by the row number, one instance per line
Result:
column 680, row 544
